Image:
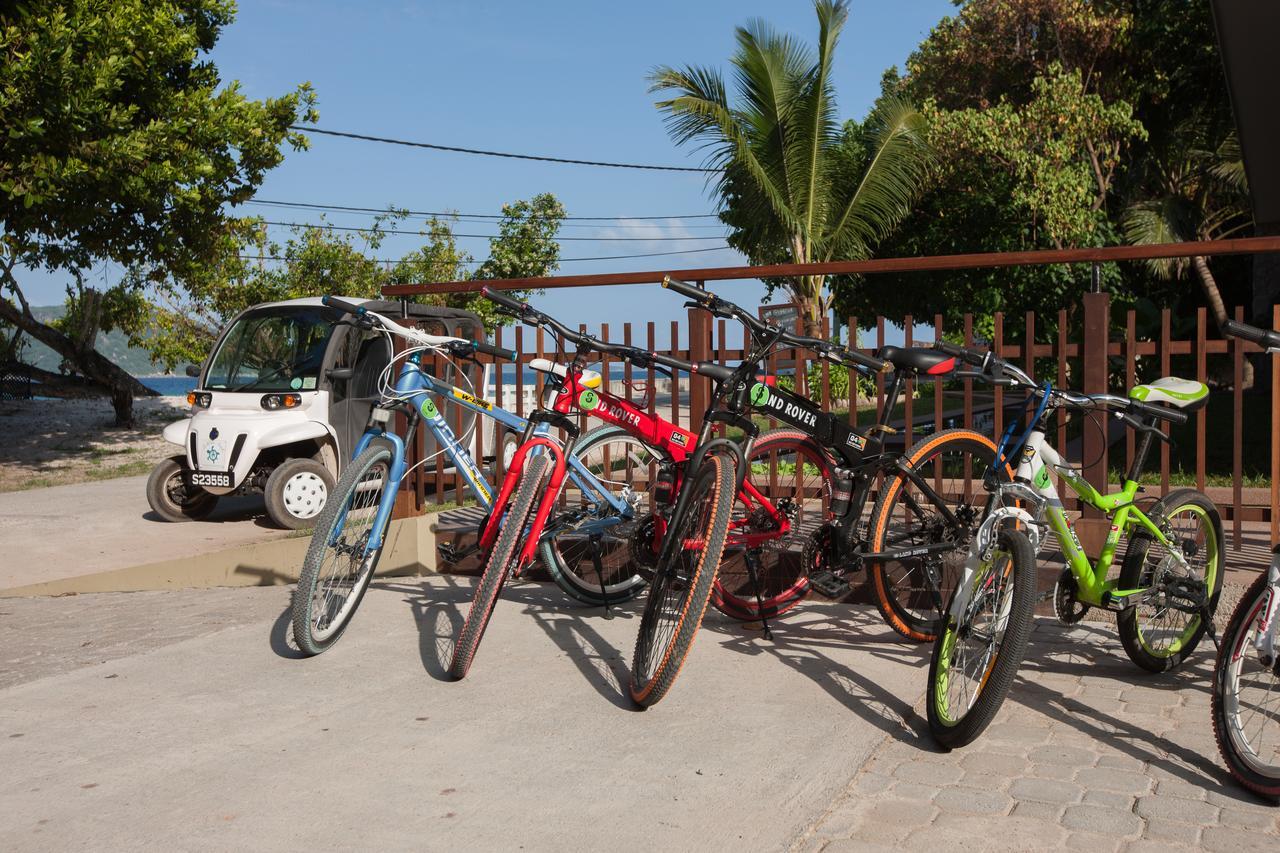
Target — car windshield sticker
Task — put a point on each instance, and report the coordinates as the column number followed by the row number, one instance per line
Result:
column 295, row 383
column 308, row 383
column 759, row 394
column 588, row 400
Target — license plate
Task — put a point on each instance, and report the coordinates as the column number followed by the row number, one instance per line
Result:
column 210, row 479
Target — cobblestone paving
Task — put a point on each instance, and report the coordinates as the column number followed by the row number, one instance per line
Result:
column 1088, row 753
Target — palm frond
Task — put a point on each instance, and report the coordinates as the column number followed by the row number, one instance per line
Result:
column 1229, row 165
column 818, row 131
column 900, row 157
column 1161, row 220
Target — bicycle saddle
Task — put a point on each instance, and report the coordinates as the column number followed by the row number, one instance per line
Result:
column 918, row 359
column 590, row 378
column 1184, row 393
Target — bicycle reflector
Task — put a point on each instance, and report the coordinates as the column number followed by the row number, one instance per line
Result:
column 199, row 399
column 273, row 402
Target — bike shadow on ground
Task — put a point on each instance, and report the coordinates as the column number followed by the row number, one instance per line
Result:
column 1094, row 650
column 440, row 609
column 804, row 639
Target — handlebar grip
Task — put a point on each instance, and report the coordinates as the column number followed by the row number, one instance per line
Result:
column 500, row 298
column 1266, row 338
column 968, row 355
column 876, row 365
column 342, row 305
column 496, row 352
column 1173, row 416
column 689, row 291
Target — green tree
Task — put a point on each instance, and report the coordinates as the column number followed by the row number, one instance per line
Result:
column 785, row 190
column 122, row 143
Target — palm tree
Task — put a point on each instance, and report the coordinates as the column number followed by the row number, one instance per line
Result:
column 1198, row 193
column 786, row 186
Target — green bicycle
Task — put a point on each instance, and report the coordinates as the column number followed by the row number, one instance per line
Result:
column 1169, row 580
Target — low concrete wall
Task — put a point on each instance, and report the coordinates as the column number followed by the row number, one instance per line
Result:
column 410, row 550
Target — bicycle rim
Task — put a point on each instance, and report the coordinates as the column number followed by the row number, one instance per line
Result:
column 971, row 647
column 347, row 562
column 1162, row 630
column 1251, row 699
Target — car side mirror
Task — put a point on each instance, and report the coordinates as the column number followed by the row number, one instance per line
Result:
column 193, row 370
column 340, row 373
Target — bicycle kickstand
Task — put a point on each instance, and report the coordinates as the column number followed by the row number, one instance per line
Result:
column 753, row 572
column 1209, row 627
column 593, row 548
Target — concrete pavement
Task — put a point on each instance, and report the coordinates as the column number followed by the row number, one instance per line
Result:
column 208, row 734
column 87, row 528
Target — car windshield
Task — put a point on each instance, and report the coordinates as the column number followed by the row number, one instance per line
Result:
column 273, row 349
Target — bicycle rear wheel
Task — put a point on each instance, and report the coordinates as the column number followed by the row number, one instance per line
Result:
column 976, row 657
column 499, row 564
column 618, row 461
column 339, row 565
column 952, row 463
column 795, row 474
column 1157, row 635
column 1246, row 698
column 682, row 583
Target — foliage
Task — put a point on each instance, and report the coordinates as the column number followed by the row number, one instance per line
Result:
column 784, row 189
column 122, row 143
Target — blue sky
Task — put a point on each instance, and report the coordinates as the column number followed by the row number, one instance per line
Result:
column 559, row 78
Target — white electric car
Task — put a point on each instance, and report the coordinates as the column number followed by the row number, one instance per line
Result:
column 281, row 403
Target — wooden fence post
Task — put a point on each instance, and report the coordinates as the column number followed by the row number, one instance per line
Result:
column 1094, row 344
column 699, row 350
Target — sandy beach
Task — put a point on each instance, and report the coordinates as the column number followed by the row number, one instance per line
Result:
column 54, row 442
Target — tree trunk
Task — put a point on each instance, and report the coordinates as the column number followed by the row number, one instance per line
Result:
column 121, row 386
column 1216, row 305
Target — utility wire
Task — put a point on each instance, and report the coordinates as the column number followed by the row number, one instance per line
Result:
column 381, row 210
column 366, row 138
column 328, row 227
column 558, row 260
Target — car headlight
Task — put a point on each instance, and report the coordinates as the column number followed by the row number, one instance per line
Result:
column 272, row 402
column 199, row 399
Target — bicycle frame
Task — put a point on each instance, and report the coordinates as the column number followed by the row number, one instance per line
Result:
column 414, row 387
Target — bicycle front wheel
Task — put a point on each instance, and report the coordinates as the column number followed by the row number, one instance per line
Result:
column 339, row 563
column 499, row 564
column 794, row 474
column 682, row 583
column 1159, row 631
column 625, row 467
column 1246, row 697
column 905, row 518
column 976, row 656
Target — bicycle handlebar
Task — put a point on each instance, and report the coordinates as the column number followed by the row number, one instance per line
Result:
column 1268, row 339
column 708, row 301
column 343, row 305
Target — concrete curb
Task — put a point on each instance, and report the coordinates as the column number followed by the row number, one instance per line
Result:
column 410, row 550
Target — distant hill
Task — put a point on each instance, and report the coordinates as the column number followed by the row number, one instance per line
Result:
column 113, row 345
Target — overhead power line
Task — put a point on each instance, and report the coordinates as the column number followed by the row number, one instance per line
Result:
column 327, row 227
column 380, row 210
column 388, row 141
column 559, row 260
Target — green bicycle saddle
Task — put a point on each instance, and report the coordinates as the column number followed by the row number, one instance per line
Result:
column 1184, row 393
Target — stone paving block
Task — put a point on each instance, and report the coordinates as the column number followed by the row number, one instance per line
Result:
column 1021, row 733
column 1071, row 756
column 1053, row 771
column 984, row 781
column 812, row 844
column 971, row 801
column 928, row 772
column 993, row 762
column 1046, row 791
column 842, row 821
column 1144, row 709
column 1222, row 839
column 1110, row 799
column 1152, row 695
column 914, row 791
column 871, row 783
column 1047, row 812
column 1099, row 819
column 1166, row 831
column 1002, row 833
column 1177, row 808
column 908, row 814
column 1142, row 845
column 1231, row 795
column 1177, row 787
column 857, row 845
column 1110, row 779
column 1246, row 819
column 1121, row 761
column 1094, row 841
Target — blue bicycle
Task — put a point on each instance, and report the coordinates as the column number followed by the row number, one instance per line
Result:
column 586, row 548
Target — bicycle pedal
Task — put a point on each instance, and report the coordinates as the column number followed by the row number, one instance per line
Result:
column 450, row 554
column 829, row 584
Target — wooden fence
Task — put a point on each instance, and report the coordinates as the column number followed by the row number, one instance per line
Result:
column 1077, row 351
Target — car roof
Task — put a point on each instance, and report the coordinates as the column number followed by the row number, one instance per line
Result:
column 392, row 309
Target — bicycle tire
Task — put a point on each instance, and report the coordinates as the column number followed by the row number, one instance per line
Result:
column 565, row 562
column 1260, row 776
column 1132, row 633
column 951, row 731
column 781, row 570
column 706, row 514
column 498, row 566
column 351, row 489
column 890, row 590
